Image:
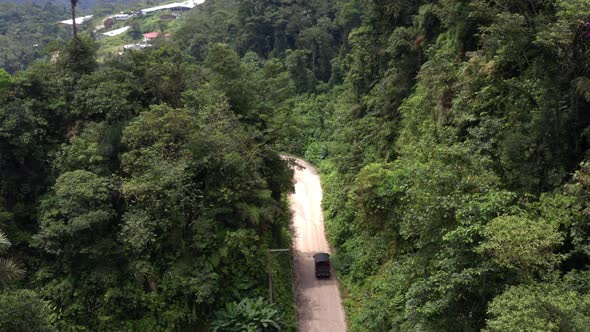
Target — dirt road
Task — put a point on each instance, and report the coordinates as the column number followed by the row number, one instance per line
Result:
column 319, row 307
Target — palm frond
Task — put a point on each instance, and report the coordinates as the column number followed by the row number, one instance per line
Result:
column 10, row 271
column 583, row 87
column 4, row 243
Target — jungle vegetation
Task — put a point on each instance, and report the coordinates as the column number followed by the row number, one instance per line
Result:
column 141, row 193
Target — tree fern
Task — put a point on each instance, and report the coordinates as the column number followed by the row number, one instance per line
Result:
column 10, row 271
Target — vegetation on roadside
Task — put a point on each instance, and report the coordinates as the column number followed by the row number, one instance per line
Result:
column 141, row 193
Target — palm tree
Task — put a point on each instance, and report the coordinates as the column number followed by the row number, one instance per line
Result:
column 9, row 270
column 74, row 3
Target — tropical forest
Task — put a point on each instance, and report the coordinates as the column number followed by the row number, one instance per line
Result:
column 148, row 173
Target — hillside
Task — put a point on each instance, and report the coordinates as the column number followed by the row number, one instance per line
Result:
column 141, row 190
column 25, row 31
column 29, row 31
column 83, row 4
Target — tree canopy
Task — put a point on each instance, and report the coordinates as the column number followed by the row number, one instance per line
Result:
column 141, row 191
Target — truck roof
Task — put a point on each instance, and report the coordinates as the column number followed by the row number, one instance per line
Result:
column 321, row 257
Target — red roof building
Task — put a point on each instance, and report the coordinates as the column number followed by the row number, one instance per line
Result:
column 152, row 35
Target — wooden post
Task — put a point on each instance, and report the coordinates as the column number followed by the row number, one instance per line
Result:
column 269, row 278
column 269, row 263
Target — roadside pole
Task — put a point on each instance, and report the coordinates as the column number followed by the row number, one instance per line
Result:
column 269, row 255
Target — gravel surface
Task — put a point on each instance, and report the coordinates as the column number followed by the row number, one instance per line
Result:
column 319, row 308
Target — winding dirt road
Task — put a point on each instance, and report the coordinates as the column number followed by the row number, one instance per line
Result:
column 319, row 307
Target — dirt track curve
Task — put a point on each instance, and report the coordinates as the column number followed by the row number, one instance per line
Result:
column 319, row 308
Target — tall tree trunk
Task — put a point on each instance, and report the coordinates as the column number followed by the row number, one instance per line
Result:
column 74, row 29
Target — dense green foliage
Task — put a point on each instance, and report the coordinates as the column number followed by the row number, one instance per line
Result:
column 452, row 136
column 140, row 193
column 25, row 31
column 24, row 311
column 448, row 167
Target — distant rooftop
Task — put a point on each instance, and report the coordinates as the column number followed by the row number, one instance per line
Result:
column 190, row 4
column 116, row 32
column 152, row 35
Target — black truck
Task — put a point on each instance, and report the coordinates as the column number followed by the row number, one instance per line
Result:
column 322, row 265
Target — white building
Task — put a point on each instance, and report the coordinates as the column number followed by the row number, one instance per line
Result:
column 177, row 6
column 136, row 46
column 116, row 32
column 79, row 20
column 122, row 17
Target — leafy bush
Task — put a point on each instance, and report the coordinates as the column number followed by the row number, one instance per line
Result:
column 250, row 315
column 539, row 307
column 24, row 311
